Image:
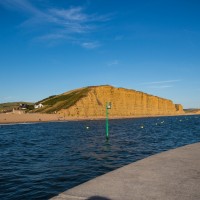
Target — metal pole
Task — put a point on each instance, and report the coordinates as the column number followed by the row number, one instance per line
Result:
column 107, row 133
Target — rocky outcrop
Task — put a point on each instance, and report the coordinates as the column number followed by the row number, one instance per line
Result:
column 179, row 108
column 125, row 102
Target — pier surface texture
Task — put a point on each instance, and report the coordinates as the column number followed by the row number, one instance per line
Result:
column 171, row 175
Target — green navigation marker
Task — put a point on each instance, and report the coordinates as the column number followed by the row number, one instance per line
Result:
column 108, row 106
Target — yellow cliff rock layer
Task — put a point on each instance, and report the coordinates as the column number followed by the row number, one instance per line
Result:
column 124, row 103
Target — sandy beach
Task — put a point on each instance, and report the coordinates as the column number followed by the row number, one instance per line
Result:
column 6, row 118
column 22, row 118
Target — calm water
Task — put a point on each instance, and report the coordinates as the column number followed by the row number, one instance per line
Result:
column 38, row 161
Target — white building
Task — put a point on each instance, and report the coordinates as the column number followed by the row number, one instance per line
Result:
column 38, row 106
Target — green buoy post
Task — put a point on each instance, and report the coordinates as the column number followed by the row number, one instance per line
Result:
column 108, row 106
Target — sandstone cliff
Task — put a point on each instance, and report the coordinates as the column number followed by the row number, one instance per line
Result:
column 91, row 102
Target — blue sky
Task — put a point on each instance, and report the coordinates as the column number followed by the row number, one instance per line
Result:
column 48, row 47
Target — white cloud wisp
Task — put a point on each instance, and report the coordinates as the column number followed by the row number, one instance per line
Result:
column 161, row 84
column 71, row 24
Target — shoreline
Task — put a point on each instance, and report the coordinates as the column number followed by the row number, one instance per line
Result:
column 10, row 118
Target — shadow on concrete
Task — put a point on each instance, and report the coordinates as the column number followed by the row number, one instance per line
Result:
column 98, row 198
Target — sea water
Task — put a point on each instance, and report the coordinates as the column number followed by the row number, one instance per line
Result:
column 41, row 160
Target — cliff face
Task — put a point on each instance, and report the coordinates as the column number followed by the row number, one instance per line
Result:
column 124, row 103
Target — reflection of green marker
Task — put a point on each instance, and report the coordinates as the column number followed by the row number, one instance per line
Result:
column 87, row 127
column 108, row 106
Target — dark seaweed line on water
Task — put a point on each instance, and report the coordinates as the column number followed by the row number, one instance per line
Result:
column 40, row 160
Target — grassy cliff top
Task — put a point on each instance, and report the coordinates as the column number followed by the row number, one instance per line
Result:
column 55, row 103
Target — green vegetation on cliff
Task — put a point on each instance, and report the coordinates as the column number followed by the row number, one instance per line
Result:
column 55, row 103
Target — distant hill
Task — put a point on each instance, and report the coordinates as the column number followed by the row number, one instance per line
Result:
column 192, row 110
column 91, row 101
column 6, row 107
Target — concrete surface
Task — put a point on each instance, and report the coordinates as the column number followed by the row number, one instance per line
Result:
column 171, row 175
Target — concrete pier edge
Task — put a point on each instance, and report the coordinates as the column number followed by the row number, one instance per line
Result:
column 170, row 175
